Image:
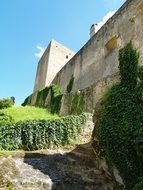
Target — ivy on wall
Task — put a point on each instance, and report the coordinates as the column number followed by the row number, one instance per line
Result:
column 27, row 101
column 76, row 103
column 120, row 123
column 55, row 98
column 70, row 85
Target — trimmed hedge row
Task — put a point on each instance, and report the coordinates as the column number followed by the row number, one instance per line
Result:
column 41, row 134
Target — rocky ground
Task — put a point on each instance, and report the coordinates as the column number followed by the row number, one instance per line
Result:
column 74, row 169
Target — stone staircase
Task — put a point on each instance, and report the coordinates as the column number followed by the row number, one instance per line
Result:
column 75, row 169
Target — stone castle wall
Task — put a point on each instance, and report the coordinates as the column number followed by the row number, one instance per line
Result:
column 95, row 66
column 98, row 58
column 42, row 70
column 53, row 59
column 92, row 95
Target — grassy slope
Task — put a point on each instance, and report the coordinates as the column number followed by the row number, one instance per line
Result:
column 20, row 113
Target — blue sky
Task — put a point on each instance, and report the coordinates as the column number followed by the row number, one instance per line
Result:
column 26, row 24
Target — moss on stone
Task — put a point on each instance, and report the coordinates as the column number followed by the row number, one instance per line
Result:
column 76, row 103
column 70, row 85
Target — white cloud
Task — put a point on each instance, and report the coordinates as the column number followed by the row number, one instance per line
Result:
column 104, row 20
column 41, row 51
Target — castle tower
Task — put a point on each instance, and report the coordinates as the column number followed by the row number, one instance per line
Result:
column 52, row 61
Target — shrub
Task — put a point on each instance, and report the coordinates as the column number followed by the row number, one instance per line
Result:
column 5, row 119
column 139, row 186
column 10, row 137
column 40, row 134
column 6, row 103
column 13, row 99
column 121, row 119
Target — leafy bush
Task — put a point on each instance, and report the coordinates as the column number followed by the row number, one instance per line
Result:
column 139, row 186
column 6, row 103
column 120, row 124
column 40, row 134
column 10, row 137
column 5, row 119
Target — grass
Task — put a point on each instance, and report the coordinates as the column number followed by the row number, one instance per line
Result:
column 20, row 113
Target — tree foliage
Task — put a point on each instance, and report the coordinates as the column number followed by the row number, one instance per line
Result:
column 6, row 103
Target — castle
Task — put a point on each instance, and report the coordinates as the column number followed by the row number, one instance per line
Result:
column 98, row 58
column 95, row 65
column 52, row 61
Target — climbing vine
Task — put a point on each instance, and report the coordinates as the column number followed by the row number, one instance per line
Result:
column 40, row 134
column 76, row 103
column 120, row 121
column 70, row 84
column 54, row 104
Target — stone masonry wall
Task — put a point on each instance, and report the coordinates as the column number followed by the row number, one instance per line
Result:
column 99, row 57
column 92, row 95
column 53, row 59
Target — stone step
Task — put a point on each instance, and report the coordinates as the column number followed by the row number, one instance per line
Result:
column 81, row 159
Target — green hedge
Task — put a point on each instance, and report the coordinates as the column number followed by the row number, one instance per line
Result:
column 41, row 134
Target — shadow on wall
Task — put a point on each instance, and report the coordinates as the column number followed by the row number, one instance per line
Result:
column 75, row 170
